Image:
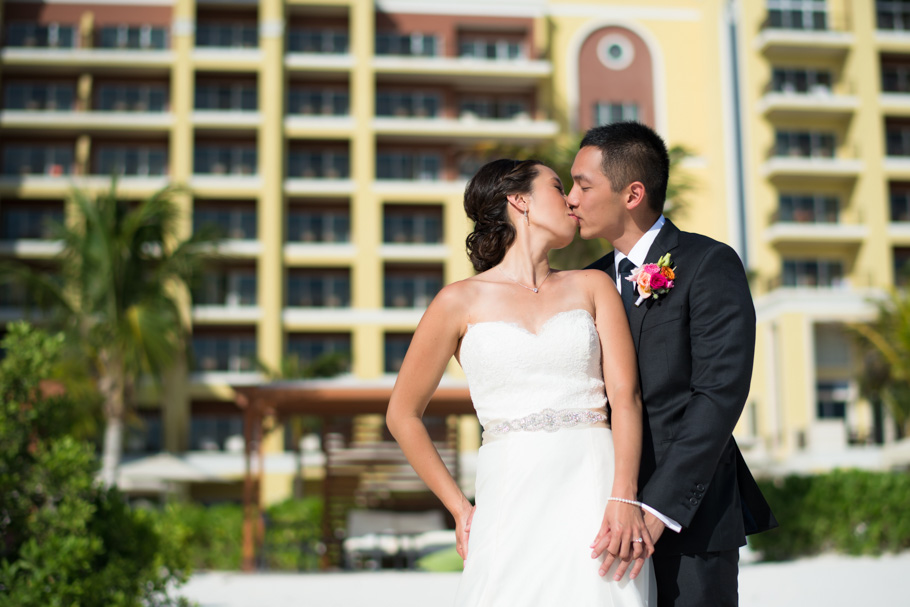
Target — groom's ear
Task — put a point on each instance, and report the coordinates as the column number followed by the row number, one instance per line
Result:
column 634, row 195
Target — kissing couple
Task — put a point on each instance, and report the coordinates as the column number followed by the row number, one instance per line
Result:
column 608, row 473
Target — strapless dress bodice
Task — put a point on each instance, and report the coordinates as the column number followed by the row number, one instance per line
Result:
column 513, row 372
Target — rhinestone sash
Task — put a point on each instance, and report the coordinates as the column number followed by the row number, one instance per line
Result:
column 548, row 420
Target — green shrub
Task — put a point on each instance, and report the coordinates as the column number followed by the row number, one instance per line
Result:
column 849, row 511
column 64, row 541
column 293, row 535
column 214, row 534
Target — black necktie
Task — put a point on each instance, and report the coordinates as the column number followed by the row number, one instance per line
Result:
column 626, row 287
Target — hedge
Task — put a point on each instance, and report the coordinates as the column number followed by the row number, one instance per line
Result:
column 848, row 511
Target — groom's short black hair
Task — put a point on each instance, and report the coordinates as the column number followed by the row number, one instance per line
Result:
column 632, row 152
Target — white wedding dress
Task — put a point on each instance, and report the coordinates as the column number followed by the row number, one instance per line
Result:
column 542, row 482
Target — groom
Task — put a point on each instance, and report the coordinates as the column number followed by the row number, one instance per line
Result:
column 695, row 345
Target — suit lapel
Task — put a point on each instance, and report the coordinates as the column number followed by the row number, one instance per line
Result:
column 666, row 241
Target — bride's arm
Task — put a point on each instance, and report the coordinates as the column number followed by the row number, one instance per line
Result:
column 433, row 344
column 622, row 522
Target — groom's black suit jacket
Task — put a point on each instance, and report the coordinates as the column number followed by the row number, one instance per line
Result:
column 695, row 349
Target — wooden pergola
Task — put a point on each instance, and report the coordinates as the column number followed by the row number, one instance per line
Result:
column 321, row 398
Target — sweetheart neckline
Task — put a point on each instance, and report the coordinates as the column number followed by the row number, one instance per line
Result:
column 515, row 325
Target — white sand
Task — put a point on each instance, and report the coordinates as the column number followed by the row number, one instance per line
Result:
column 829, row 581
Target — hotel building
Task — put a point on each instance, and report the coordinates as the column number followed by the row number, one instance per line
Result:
column 331, row 141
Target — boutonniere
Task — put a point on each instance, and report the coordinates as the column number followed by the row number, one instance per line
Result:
column 653, row 279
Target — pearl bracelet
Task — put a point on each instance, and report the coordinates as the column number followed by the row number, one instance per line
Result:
column 624, row 501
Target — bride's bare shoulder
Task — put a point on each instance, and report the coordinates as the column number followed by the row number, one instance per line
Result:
column 456, row 297
column 592, row 279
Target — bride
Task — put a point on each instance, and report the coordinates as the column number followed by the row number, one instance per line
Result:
column 543, row 352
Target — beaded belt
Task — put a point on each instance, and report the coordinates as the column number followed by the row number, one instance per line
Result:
column 548, row 420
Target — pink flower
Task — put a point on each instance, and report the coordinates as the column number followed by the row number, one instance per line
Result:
column 651, row 268
column 658, row 281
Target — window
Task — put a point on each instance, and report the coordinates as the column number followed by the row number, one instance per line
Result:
column 227, row 35
column 212, row 159
column 609, row 112
column 404, row 224
column 895, row 78
column 396, row 346
column 492, row 108
column 319, row 164
column 832, row 400
column 492, row 48
column 319, row 288
column 902, row 266
column 30, row 220
column 49, row 96
column 224, row 352
column 805, row 144
column 808, row 208
column 310, row 347
column 897, row 139
column 409, row 166
column 416, row 44
column 226, row 96
column 35, row 35
column 800, row 80
column 51, row 160
column 136, row 37
column 210, row 431
column 407, row 104
column 892, row 15
column 813, row 273
column 900, row 202
column 319, row 224
column 318, row 101
column 411, row 287
column 132, row 98
column 144, row 433
column 230, row 287
column 325, row 41
column 798, row 14
column 134, row 161
column 236, row 223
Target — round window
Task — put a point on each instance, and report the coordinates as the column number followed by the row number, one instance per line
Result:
column 615, row 51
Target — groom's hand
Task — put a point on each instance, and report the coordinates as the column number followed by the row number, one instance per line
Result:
column 655, row 526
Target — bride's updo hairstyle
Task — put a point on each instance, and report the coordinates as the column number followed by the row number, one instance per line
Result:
column 485, row 202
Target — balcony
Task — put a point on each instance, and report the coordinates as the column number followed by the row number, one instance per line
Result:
column 226, row 47
column 821, row 103
column 788, row 233
column 843, row 169
column 235, row 120
column 467, row 129
column 318, row 50
column 98, row 120
column 146, row 61
column 814, row 35
column 463, row 71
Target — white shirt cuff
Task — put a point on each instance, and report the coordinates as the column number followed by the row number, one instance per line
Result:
column 666, row 520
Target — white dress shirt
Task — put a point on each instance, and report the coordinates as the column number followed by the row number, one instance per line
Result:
column 637, row 256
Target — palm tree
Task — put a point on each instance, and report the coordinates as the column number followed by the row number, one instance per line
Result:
column 117, row 297
column 886, row 371
column 560, row 157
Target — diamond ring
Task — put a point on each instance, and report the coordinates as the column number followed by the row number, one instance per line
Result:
column 639, row 539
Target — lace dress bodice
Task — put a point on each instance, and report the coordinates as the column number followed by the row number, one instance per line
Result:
column 512, row 372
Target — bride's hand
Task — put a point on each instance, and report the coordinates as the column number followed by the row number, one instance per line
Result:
column 622, row 525
column 463, row 529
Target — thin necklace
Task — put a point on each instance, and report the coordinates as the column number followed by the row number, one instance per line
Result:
column 532, row 289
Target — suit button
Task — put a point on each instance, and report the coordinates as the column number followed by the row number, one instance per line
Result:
column 700, row 487
column 693, row 501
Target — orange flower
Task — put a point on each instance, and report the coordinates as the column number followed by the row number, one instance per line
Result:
column 668, row 272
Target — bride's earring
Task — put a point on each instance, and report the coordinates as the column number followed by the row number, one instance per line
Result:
column 527, row 221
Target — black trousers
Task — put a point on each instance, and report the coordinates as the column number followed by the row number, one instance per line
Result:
column 708, row 579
